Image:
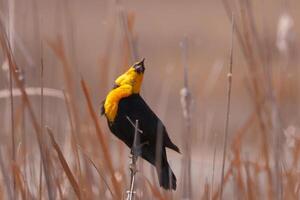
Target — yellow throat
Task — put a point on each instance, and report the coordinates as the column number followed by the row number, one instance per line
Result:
column 125, row 85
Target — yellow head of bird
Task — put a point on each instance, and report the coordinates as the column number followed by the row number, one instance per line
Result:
column 133, row 77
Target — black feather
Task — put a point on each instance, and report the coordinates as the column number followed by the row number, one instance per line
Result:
column 136, row 108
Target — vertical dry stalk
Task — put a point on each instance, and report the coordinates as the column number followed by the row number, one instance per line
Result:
column 186, row 103
column 257, row 53
column 73, row 137
column 127, row 27
column 60, row 192
column 42, row 119
column 255, row 65
column 236, row 149
column 249, row 182
column 227, row 110
column 13, row 137
column 6, row 179
column 12, row 65
column 227, row 175
column 20, row 183
column 135, row 151
column 11, row 23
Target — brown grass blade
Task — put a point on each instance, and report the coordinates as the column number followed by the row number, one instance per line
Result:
column 13, row 135
column 5, row 177
column 14, row 69
column 249, row 183
column 42, row 119
column 98, row 171
column 155, row 191
column 59, row 50
column 20, row 183
column 228, row 108
column 65, row 165
column 102, row 140
column 74, row 140
column 60, row 193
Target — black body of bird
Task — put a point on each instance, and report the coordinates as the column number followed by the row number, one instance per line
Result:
column 153, row 135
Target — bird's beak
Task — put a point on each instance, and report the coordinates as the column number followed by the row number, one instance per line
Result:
column 139, row 67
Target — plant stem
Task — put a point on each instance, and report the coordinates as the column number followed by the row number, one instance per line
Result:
column 134, row 157
column 228, row 109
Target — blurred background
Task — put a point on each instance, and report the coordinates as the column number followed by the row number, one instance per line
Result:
column 60, row 58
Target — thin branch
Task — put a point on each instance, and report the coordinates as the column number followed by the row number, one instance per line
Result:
column 135, row 151
column 13, row 136
column 186, row 103
column 228, row 109
column 42, row 120
column 11, row 23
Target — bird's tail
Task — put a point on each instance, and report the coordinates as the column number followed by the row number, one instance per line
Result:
column 167, row 179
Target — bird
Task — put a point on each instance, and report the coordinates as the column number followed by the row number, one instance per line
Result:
column 122, row 106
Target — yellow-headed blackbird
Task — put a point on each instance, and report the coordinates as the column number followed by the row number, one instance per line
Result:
column 124, row 102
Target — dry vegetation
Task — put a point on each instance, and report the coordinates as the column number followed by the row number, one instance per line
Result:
column 54, row 145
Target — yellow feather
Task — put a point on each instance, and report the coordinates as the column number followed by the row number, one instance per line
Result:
column 113, row 98
column 131, row 77
column 128, row 83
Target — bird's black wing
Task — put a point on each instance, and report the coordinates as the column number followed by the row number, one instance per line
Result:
column 153, row 129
